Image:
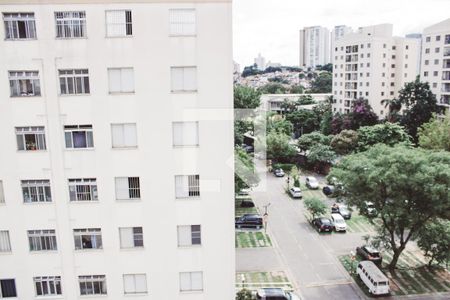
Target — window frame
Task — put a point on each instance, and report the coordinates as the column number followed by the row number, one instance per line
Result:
column 51, row 282
column 28, row 78
column 15, row 17
column 121, row 91
column 193, row 186
column 6, row 248
column 195, row 235
column 39, row 138
column 182, row 24
column 100, row 280
column 131, row 190
column 89, row 187
column 15, row 288
column 137, row 237
column 191, row 289
column 69, row 131
column 178, row 123
column 76, row 78
column 94, row 235
column 42, row 240
column 184, row 89
column 128, row 24
column 122, row 128
column 135, row 292
column 40, row 189
column 2, row 193
column 68, row 16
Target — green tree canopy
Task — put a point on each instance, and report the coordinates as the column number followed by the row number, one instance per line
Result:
column 273, row 88
column 305, row 100
column 315, row 206
column 279, row 125
column 244, row 169
column 246, row 97
column 320, row 154
column 296, row 89
column 278, row 147
column 345, row 142
column 434, row 240
column 303, row 120
column 435, row 134
column 407, row 186
column 418, row 104
column 386, row 133
column 306, row 141
column 322, row 83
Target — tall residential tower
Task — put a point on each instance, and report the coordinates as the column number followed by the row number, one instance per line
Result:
column 314, row 47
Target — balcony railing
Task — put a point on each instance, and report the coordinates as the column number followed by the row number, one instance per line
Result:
column 446, row 75
column 446, row 64
column 445, row 99
column 447, row 51
column 447, row 39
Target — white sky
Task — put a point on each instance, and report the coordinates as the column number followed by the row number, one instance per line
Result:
column 271, row 26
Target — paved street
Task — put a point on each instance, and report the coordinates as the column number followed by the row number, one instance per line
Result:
column 309, row 259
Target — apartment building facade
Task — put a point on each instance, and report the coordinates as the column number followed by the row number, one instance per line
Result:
column 115, row 179
column 338, row 32
column 374, row 65
column 314, row 47
column 435, row 66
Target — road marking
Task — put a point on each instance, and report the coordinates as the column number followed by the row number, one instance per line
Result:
column 328, row 283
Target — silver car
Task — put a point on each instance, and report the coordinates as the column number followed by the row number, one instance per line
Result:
column 312, row 183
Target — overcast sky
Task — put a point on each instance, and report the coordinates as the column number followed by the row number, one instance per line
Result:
column 270, row 27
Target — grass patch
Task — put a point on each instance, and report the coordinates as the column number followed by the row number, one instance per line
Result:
column 239, row 211
column 256, row 280
column 252, row 239
column 359, row 223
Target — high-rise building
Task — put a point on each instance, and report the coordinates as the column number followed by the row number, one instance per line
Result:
column 260, row 62
column 374, row 65
column 114, row 181
column 314, row 47
column 436, row 60
column 338, row 32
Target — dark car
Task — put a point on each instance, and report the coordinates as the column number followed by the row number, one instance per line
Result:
column 342, row 210
column 369, row 253
column 247, row 203
column 249, row 221
column 329, row 190
column 275, row 294
column 323, row 224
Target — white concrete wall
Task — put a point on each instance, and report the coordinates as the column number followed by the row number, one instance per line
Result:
column 151, row 52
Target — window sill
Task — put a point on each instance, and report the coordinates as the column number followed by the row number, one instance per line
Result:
column 88, row 250
column 121, row 93
column 190, row 247
column 181, row 92
column 31, row 151
column 38, row 203
column 49, row 297
column 81, row 202
column 119, row 36
column 79, row 149
column 183, row 35
column 6, row 253
column 20, row 40
column 73, row 95
column 192, row 292
column 125, row 148
column 43, row 252
column 93, row 296
column 182, row 199
column 71, row 38
column 135, row 294
column 129, row 200
column 26, row 96
column 133, row 249
column 186, row 146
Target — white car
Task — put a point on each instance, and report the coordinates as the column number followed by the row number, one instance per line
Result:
column 338, row 222
column 275, row 294
column 312, row 183
column 295, row 192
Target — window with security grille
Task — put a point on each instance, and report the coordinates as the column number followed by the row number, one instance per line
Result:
column 189, row 235
column 187, row 186
column 119, row 23
column 88, row 238
column 30, row 138
column 8, row 288
column 182, row 22
column 19, row 26
column 70, row 24
column 24, row 83
column 42, row 240
column 74, row 81
column 92, row 285
column 131, row 237
column 36, row 191
column 78, row 136
column 127, row 188
column 83, row 189
column 47, row 285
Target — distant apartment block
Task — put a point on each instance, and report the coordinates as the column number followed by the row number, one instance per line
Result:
column 337, row 33
column 314, row 47
column 113, row 182
column 435, row 67
column 374, row 65
column 260, row 62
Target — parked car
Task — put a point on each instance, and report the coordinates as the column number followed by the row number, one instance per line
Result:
column 338, row 223
column 322, row 224
column 312, row 183
column 295, row 192
column 247, row 203
column 373, row 278
column 249, row 221
column 329, row 190
column 244, row 192
column 278, row 172
column 275, row 294
column 370, row 209
column 369, row 253
column 342, row 210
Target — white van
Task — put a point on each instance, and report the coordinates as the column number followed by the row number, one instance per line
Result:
column 373, row 278
column 338, row 222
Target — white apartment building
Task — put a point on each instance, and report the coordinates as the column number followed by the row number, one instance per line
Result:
column 260, row 62
column 374, row 65
column 314, row 47
column 115, row 178
column 435, row 67
column 338, row 32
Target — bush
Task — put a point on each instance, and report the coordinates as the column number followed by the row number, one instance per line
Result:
column 315, row 206
column 244, row 294
column 286, row 167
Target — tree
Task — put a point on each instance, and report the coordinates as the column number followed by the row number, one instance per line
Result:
column 305, row 100
column 386, row 133
column 320, row 156
column 327, row 67
column 435, row 134
column 315, row 206
column 345, row 142
column 407, row 186
column 244, row 294
column 434, row 240
column 288, row 106
column 394, row 106
column 306, row 141
column 272, row 88
column 279, row 125
column 418, row 104
column 250, row 71
column 240, row 128
column 303, row 120
column 295, row 176
column 296, row 89
column 362, row 114
column 246, row 97
column 244, row 170
column 278, row 147
column 322, row 84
